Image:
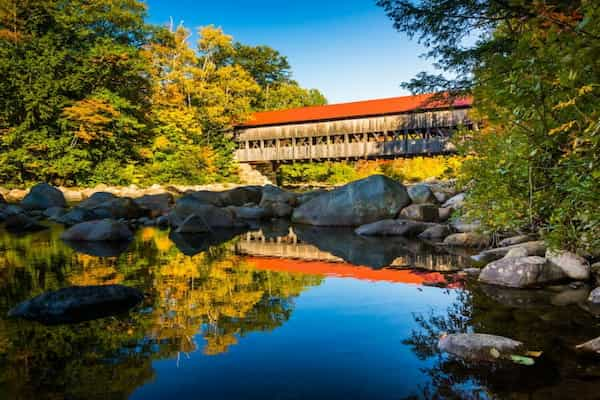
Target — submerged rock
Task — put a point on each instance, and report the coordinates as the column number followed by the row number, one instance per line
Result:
column 574, row 266
column 420, row 212
column 520, row 272
column 100, row 230
column 480, row 346
column 43, row 196
column 357, row 203
column 21, row 223
column 392, row 227
column 77, row 304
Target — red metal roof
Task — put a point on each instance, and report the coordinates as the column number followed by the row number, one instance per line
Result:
column 394, row 105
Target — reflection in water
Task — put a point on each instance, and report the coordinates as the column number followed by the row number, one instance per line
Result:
column 214, row 298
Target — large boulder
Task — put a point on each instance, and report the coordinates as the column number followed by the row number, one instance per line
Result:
column 99, row 230
column 7, row 210
column 272, row 194
column 96, row 199
column 421, row 194
column 155, row 204
column 573, row 265
column 55, row 212
column 193, row 224
column 250, row 212
column 241, row 196
column 420, row 212
column 77, row 304
column 392, row 227
column 117, row 208
column 43, row 196
column 467, row 239
column 75, row 216
column 521, row 272
column 480, row 346
column 21, row 223
column 536, row 248
column 361, row 202
column 214, row 217
column 206, row 197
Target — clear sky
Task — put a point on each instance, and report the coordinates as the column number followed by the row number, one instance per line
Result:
column 346, row 48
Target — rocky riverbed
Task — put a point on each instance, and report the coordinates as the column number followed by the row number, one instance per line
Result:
column 374, row 207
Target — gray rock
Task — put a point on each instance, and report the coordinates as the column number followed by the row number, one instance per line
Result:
column 392, row 227
column 213, row 217
column 591, row 346
column 421, row 194
column 155, row 204
column 441, row 197
column 9, row 210
column 241, row 195
column 595, row 272
column 75, row 216
column 272, row 194
column 455, row 202
column 206, row 197
column 361, row 202
column 468, row 239
column 436, row 232
column 21, row 223
column 574, row 266
column 479, row 346
column 162, row 221
column 250, row 212
column 420, row 212
column 99, row 230
column 472, row 271
column 521, row 272
column 43, row 196
column 594, row 296
column 55, row 212
column 193, row 224
column 280, row 210
column 537, row 248
column 444, row 214
column 96, row 199
column 77, row 304
column 518, row 252
column 517, row 240
column 461, row 226
column 307, row 196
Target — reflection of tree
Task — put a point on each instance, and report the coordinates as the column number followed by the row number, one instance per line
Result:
column 214, row 294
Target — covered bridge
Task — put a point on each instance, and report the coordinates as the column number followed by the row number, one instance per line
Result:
column 383, row 128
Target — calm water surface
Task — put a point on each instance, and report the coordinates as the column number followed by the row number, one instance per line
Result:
column 281, row 313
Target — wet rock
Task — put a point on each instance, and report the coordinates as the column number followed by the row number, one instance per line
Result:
column 162, row 222
column 467, row 239
column 444, row 214
column 43, row 196
column 392, row 227
column 518, row 298
column 249, row 212
column 117, row 208
column 537, row 248
column 420, row 212
column 574, row 266
column 155, row 204
column 193, row 224
column 461, row 226
column 21, row 223
column 517, row 240
column 421, row 194
column 99, row 230
column 591, row 346
column 520, row 272
column 436, row 232
column 55, row 212
column 272, row 194
column 240, row 196
column 455, row 202
column 77, row 304
column 479, row 346
column 279, row 210
column 75, row 216
column 213, row 217
column 9, row 210
column 361, row 202
column 594, row 296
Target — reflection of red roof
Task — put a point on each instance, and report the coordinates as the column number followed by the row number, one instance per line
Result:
column 394, row 105
column 345, row 270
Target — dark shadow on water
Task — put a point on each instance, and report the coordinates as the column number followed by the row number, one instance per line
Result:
column 99, row 249
column 191, row 244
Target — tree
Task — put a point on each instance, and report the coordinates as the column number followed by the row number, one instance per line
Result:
column 535, row 78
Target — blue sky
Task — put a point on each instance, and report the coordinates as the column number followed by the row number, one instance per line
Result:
column 346, row 48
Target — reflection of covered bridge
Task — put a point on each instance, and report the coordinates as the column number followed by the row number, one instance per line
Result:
column 385, row 128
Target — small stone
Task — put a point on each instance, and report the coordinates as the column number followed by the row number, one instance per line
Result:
column 420, row 212
column 594, row 296
column 467, row 239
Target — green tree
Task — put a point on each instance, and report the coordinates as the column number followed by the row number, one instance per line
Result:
column 534, row 72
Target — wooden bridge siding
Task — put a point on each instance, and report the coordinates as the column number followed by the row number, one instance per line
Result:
column 398, row 128
column 435, row 145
